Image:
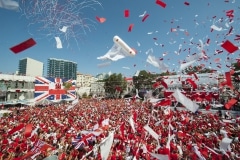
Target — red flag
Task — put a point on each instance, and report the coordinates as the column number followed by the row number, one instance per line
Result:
column 208, row 107
column 23, row 46
column 28, row 130
column 135, row 116
column 15, row 129
column 230, row 103
column 165, row 102
column 192, row 83
column 228, row 79
column 155, row 85
column 164, row 84
column 122, row 126
column 195, row 75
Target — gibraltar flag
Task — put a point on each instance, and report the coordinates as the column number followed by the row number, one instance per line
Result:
column 53, row 89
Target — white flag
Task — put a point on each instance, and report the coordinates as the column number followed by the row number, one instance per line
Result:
column 9, row 4
column 216, row 28
column 59, row 42
column 185, row 65
column 63, row 29
column 188, row 103
column 151, row 132
column 157, row 63
column 106, row 145
column 160, row 156
column 225, row 143
column 105, row 122
column 137, row 73
column 132, row 124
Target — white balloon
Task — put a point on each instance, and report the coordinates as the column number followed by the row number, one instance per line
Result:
column 123, row 45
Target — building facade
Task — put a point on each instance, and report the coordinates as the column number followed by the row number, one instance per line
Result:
column 97, row 88
column 202, row 80
column 61, row 68
column 84, row 83
column 85, row 80
column 30, row 67
column 16, row 89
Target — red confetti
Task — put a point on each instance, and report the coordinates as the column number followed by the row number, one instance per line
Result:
column 217, row 60
column 155, row 85
column 161, row 3
column 227, row 45
column 130, row 27
column 126, row 13
column 228, row 79
column 229, row 14
column 145, row 17
column 219, row 51
column 23, row 46
column 100, row 19
column 192, row 83
column 164, row 84
column 237, row 37
column 195, row 75
column 230, row 30
column 208, row 41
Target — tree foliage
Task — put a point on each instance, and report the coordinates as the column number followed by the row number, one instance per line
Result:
column 115, row 83
column 67, row 85
column 236, row 75
column 84, row 95
column 144, row 80
column 197, row 69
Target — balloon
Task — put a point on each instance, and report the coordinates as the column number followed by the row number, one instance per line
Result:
column 117, row 40
column 118, row 51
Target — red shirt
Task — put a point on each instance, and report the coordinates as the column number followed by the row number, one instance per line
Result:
column 174, row 156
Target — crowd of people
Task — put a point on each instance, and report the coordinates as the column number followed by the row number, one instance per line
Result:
column 141, row 131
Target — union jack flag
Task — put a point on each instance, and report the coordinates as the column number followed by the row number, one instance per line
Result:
column 53, row 89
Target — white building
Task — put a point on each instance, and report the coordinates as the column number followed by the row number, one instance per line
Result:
column 84, row 82
column 176, row 81
column 16, row 89
column 129, row 85
column 30, row 67
column 97, row 88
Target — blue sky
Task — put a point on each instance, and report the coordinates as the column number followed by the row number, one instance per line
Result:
column 192, row 23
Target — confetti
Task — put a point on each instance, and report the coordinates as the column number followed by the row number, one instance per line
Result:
column 23, row 46
column 161, row 3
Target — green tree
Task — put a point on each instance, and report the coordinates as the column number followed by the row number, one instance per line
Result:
column 236, row 75
column 84, row 95
column 115, row 83
column 144, row 80
column 167, row 73
column 67, row 85
column 197, row 69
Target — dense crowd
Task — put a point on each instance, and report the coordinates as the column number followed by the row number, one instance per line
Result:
column 78, row 132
